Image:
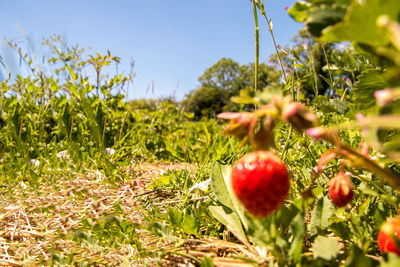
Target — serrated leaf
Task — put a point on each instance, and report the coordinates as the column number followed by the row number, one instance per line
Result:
column 359, row 24
column 299, row 229
column 325, row 248
column 367, row 83
column 330, row 105
column 323, row 210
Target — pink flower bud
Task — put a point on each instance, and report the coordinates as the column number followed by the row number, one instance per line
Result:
column 299, row 116
column 239, row 124
column 384, row 97
column 316, row 133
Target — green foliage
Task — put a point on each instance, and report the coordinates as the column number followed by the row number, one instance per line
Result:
column 219, row 83
column 58, row 119
column 361, row 19
column 341, row 84
column 43, row 118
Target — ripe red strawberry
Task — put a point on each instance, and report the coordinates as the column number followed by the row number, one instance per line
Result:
column 341, row 190
column 260, row 180
column 385, row 240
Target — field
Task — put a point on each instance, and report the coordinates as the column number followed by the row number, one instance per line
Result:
column 295, row 163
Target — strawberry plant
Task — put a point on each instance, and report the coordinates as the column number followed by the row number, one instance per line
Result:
column 311, row 176
column 348, row 127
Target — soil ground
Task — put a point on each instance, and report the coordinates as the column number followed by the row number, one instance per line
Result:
column 36, row 225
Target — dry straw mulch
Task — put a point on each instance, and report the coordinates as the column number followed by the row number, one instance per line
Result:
column 32, row 223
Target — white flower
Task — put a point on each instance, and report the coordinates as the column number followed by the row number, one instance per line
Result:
column 203, row 186
column 35, row 163
column 384, row 97
column 62, row 154
column 110, row 151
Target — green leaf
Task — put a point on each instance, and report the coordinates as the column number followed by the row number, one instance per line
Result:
column 357, row 258
column 341, row 229
column 221, row 184
column 189, row 224
column 228, row 218
column 393, row 261
column 331, row 105
column 286, row 215
column 299, row 66
column 71, row 72
column 367, row 83
column 299, row 11
column 162, row 230
column 325, row 248
column 259, row 230
column 363, row 187
column 322, row 17
column 220, row 181
column 207, row 262
column 175, row 217
column 359, row 24
column 320, row 215
column 299, row 229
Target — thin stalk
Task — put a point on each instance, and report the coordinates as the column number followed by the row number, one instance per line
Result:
column 315, row 76
column 104, row 131
column 262, row 9
column 276, row 50
column 362, row 161
column 71, row 128
column 327, row 63
column 257, row 46
column 286, row 146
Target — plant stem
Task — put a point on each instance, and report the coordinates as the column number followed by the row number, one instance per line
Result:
column 269, row 21
column 360, row 161
column 286, row 146
column 257, row 46
column 327, row 63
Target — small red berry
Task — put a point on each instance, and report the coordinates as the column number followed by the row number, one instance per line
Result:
column 260, row 181
column 385, row 240
column 341, row 190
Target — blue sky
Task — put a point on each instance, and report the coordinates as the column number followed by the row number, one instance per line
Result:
column 171, row 41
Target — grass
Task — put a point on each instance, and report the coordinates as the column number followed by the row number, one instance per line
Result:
column 83, row 219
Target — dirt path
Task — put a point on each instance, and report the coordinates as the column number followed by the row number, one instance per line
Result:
column 33, row 224
column 84, row 220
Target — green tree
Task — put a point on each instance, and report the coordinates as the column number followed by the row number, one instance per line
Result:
column 225, row 79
